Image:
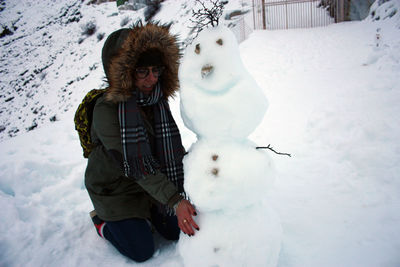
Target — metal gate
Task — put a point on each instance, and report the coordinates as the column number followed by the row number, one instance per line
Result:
column 289, row 14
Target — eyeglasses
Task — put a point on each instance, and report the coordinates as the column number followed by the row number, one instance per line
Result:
column 143, row 72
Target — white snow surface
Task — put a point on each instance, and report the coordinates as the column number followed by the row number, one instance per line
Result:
column 334, row 104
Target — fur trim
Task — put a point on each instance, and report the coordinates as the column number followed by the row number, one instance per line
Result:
column 141, row 38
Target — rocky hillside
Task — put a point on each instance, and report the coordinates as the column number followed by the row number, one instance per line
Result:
column 47, row 52
column 50, row 54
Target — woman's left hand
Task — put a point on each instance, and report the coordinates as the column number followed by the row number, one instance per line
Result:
column 184, row 212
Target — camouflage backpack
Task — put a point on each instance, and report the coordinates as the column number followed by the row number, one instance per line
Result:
column 83, row 120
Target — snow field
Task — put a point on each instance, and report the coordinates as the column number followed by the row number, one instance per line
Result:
column 333, row 104
column 341, row 187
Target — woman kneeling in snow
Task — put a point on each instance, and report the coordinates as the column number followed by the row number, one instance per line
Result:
column 135, row 174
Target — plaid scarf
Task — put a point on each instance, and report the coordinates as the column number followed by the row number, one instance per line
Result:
column 138, row 157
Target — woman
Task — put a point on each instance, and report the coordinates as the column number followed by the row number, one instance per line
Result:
column 135, row 174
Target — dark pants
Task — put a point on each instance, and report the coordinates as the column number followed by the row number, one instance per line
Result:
column 133, row 237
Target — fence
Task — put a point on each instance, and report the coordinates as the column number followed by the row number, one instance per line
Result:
column 289, row 14
column 243, row 28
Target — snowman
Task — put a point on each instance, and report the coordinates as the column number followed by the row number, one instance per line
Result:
column 225, row 176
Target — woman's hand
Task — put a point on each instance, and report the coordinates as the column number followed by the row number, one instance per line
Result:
column 184, row 212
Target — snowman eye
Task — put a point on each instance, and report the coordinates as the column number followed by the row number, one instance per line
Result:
column 197, row 50
column 220, row 42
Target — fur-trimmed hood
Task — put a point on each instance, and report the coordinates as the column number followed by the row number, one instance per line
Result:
column 122, row 49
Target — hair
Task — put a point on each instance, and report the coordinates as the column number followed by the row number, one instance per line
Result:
column 150, row 57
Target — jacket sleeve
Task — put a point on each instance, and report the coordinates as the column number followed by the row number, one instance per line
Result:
column 158, row 186
column 106, row 126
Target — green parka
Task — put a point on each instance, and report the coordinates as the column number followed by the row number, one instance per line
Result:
column 115, row 196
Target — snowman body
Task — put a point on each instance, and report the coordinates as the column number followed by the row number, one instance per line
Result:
column 225, row 176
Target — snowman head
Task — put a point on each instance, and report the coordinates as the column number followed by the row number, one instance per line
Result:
column 219, row 98
column 208, row 56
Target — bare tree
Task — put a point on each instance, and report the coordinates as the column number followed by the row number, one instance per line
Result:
column 207, row 15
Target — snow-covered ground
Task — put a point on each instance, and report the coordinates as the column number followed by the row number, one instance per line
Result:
column 334, row 96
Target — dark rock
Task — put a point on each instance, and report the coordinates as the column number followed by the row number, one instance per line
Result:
column 151, row 10
column 30, row 128
column 23, row 73
column 9, row 99
column 100, row 36
column 89, row 28
column 5, row 31
column 13, row 132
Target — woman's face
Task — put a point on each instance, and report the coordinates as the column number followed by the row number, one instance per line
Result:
column 146, row 78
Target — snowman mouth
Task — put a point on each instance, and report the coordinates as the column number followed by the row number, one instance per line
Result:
column 218, row 87
column 206, row 70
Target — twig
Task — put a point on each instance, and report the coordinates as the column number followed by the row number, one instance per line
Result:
column 270, row 148
column 205, row 16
